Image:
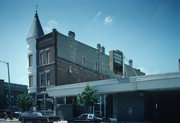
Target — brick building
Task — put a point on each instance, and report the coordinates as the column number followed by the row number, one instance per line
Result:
column 56, row 59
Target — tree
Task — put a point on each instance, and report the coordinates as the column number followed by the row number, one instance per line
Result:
column 87, row 97
column 24, row 101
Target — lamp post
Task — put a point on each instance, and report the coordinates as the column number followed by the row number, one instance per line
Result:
column 9, row 88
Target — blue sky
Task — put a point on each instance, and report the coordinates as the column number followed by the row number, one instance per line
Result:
column 147, row 31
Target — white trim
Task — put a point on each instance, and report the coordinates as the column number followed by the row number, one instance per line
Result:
column 47, row 71
column 30, row 74
column 29, row 53
column 47, row 49
column 31, row 45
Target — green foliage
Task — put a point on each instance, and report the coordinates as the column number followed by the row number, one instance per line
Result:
column 24, row 101
column 87, row 97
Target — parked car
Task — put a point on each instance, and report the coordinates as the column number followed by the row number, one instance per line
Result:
column 6, row 114
column 85, row 118
column 16, row 114
column 37, row 116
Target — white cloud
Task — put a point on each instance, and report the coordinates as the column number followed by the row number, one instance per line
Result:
column 97, row 16
column 50, row 25
column 147, row 72
column 108, row 20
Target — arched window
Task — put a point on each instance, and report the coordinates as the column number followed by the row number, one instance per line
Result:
column 41, row 59
column 47, row 57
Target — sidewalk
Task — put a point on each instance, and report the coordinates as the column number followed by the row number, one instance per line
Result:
column 9, row 120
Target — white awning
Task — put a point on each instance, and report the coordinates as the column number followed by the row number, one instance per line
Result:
column 168, row 81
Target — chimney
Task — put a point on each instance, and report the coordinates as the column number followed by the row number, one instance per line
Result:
column 53, row 30
column 98, row 47
column 130, row 62
column 71, row 35
column 103, row 50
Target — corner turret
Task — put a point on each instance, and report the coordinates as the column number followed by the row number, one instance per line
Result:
column 36, row 28
column 35, row 32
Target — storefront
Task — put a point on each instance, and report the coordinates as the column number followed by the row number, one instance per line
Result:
column 141, row 98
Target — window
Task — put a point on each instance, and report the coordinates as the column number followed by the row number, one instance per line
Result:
column 61, row 100
column 47, row 57
column 41, row 79
column 71, row 100
column 30, row 60
column 83, row 116
column 96, row 66
column 44, row 57
column 41, row 59
column 84, row 62
column 48, row 78
column 30, row 80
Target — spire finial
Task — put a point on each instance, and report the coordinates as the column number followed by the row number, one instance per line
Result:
column 36, row 7
column 36, row 28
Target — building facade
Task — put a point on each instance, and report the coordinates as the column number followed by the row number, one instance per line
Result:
column 15, row 90
column 56, row 59
column 34, row 32
column 64, row 66
column 150, row 98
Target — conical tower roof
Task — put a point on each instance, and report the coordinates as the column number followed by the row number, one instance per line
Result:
column 36, row 28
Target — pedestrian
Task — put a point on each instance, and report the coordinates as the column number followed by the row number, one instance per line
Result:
column 5, row 115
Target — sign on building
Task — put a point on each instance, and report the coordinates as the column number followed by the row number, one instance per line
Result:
column 116, row 62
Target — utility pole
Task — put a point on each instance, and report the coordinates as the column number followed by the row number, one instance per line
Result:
column 9, row 87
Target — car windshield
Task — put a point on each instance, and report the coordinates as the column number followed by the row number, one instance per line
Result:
column 84, row 116
column 35, row 114
column 24, row 114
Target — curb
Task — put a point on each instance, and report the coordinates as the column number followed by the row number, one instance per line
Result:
column 12, row 120
column 9, row 120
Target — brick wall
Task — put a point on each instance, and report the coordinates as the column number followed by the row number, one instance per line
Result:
column 78, row 73
column 75, row 51
column 47, row 42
